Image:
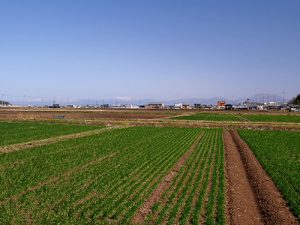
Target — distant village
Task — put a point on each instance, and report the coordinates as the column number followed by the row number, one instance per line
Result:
column 293, row 106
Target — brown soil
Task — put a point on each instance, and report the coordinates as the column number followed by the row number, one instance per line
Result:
column 142, row 117
column 37, row 143
column 191, row 123
column 86, row 114
column 145, row 209
column 243, row 208
column 248, row 180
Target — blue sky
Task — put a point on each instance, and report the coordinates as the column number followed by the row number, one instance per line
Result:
column 155, row 49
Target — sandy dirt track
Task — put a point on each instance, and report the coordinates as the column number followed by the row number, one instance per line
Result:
column 242, row 205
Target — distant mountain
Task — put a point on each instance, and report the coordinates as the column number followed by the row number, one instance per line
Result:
column 295, row 100
column 264, row 97
column 111, row 101
column 203, row 101
column 130, row 101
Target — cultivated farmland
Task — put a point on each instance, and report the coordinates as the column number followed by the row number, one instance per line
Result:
column 210, row 116
column 197, row 194
column 241, row 117
column 106, row 178
column 272, row 118
column 17, row 132
column 80, row 174
column 279, row 153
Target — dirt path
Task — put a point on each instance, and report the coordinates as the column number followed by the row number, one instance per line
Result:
column 243, row 208
column 252, row 195
column 37, row 143
column 145, row 209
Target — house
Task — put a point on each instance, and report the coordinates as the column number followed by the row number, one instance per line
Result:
column 221, row 104
column 71, row 106
column 228, row 107
column 295, row 108
column 54, row 106
column 197, row 106
column 4, row 103
column 154, row 106
column 272, row 105
column 178, row 106
column 182, row 106
column 104, row 106
column 186, row 106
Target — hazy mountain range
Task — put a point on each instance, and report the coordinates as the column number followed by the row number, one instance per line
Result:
column 129, row 101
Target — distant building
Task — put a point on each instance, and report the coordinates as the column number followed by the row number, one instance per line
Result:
column 272, row 105
column 295, row 108
column 178, row 106
column 186, row 106
column 54, row 106
column 4, row 103
column 71, row 106
column 228, row 107
column 182, row 106
column 249, row 105
column 154, row 106
column 104, row 106
column 221, row 104
column 197, row 106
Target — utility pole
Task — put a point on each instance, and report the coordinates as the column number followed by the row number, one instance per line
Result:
column 283, row 93
column 24, row 99
column 2, row 97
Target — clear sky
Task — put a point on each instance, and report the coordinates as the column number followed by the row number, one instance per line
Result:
column 149, row 48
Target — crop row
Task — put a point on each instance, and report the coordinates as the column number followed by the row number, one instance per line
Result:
column 279, row 153
column 197, row 194
column 18, row 132
column 103, row 178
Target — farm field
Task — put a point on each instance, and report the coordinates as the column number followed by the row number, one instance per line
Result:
column 197, row 194
column 241, row 117
column 272, row 118
column 17, row 132
column 106, row 178
column 210, row 116
column 279, row 153
column 88, row 114
column 145, row 175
